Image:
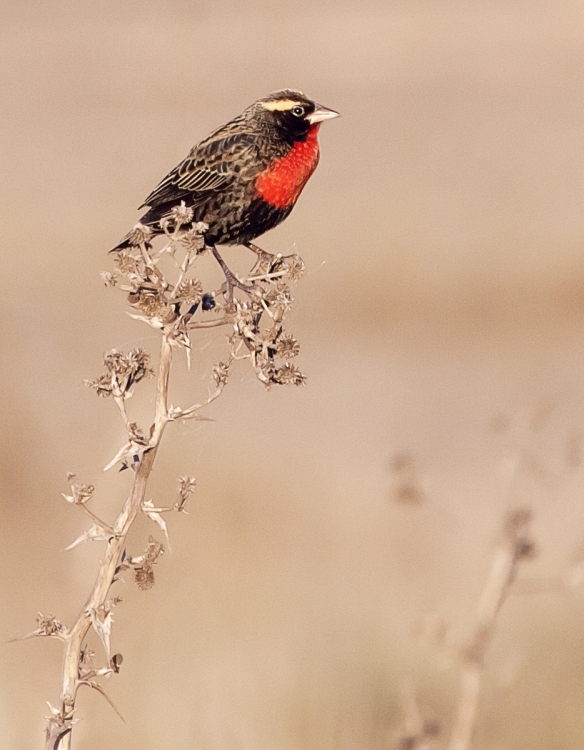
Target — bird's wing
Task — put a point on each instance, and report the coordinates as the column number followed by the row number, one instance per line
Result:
column 208, row 167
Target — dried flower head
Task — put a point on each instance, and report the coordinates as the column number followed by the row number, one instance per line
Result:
column 279, row 298
column 189, row 291
column 193, row 240
column 221, row 373
column 518, row 520
column 517, row 530
column 289, row 374
column 80, row 493
column 109, row 279
column 186, row 486
column 102, row 385
column 48, row 625
column 124, row 370
column 143, row 570
column 125, row 263
column 144, row 577
column 140, row 234
column 181, row 214
column 149, row 302
column 287, row 346
column 407, row 487
column 526, row 549
column 295, row 267
column 136, row 365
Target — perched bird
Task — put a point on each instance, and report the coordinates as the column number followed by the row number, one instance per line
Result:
column 246, row 176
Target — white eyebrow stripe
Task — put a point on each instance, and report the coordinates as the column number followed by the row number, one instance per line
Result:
column 280, row 105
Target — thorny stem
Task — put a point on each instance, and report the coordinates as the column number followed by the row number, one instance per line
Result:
column 121, row 404
column 168, row 307
column 515, row 548
column 59, row 738
column 413, row 723
column 192, row 410
column 95, row 518
column 226, row 320
column 161, row 418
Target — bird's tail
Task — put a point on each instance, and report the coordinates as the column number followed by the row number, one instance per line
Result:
column 122, row 244
column 143, row 231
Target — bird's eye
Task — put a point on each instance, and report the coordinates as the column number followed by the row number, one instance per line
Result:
column 298, row 111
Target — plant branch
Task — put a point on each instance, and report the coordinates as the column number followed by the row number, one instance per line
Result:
column 516, row 547
column 97, row 600
column 169, row 306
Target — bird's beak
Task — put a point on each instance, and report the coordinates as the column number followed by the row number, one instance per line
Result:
column 321, row 113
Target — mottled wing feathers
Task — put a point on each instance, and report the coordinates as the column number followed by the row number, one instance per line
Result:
column 210, row 166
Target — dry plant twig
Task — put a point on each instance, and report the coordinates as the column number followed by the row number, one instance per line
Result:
column 173, row 303
column 516, row 546
column 416, row 732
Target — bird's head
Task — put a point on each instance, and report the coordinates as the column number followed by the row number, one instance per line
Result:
column 292, row 113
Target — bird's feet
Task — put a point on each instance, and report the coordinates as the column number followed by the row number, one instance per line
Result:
column 270, row 266
column 231, row 280
column 263, row 256
column 265, row 261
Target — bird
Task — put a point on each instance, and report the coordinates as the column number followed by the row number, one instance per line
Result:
column 246, row 176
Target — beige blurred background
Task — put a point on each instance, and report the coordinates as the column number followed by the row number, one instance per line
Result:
column 441, row 318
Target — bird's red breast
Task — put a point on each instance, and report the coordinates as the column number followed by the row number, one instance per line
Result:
column 281, row 184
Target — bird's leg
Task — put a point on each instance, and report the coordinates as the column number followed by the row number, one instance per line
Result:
column 262, row 254
column 269, row 266
column 264, row 260
column 230, row 279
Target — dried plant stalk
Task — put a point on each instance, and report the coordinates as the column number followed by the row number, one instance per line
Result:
column 516, row 546
column 175, row 304
column 60, row 725
column 416, row 732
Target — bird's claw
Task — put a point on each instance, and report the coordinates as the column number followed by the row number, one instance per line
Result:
column 231, row 280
